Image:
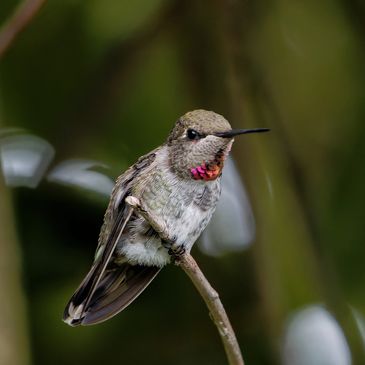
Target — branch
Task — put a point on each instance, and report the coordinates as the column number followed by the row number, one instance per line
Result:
column 210, row 296
column 215, row 306
column 22, row 16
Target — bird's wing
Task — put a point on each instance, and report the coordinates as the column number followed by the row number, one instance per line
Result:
column 116, row 218
column 117, row 208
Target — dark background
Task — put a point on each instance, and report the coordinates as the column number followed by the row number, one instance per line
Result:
column 105, row 81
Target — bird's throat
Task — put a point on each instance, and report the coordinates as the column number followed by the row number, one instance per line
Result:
column 206, row 172
column 210, row 170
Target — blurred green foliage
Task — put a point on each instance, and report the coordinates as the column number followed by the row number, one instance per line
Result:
column 106, row 80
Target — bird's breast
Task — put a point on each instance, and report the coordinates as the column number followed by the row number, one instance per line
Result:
column 185, row 206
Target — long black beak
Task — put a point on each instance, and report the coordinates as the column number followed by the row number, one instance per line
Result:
column 236, row 132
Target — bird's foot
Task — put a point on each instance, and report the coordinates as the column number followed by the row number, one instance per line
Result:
column 175, row 250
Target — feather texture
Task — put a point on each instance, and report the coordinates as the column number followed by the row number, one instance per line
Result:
column 112, row 283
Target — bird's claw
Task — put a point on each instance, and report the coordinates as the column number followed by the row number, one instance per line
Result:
column 174, row 249
column 177, row 252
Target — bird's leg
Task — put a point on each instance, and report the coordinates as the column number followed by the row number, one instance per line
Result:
column 158, row 225
column 174, row 249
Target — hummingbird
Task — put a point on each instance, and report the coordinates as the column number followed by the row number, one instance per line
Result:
column 157, row 210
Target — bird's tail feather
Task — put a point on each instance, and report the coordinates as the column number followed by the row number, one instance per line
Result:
column 117, row 288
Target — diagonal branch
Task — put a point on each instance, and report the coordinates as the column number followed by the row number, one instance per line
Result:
column 215, row 306
column 22, row 16
column 210, row 296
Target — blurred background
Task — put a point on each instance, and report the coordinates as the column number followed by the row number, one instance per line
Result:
column 89, row 86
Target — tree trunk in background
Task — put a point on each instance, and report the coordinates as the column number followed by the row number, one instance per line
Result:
column 14, row 347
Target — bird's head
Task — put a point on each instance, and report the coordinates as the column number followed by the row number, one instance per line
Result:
column 200, row 142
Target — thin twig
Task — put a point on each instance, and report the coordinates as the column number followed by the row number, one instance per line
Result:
column 215, row 306
column 22, row 16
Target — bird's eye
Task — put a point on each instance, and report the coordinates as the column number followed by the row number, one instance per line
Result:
column 193, row 134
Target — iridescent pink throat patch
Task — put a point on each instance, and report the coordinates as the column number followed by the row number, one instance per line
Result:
column 212, row 170
column 207, row 172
